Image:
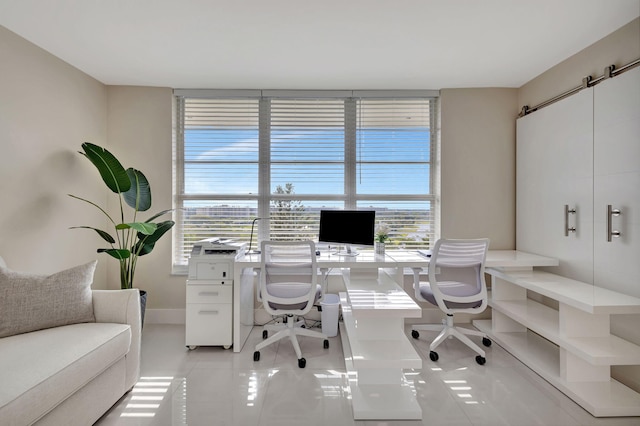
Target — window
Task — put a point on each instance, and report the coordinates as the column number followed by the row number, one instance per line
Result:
column 283, row 156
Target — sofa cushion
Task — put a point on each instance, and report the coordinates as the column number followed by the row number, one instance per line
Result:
column 30, row 302
column 43, row 368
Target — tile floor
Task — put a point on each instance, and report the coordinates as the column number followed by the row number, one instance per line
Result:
column 213, row 386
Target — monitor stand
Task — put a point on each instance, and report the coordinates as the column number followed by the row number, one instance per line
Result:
column 348, row 251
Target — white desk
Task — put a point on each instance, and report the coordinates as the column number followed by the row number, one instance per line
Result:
column 244, row 278
column 374, row 306
column 376, row 349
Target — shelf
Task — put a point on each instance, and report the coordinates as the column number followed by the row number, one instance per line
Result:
column 586, row 297
column 609, row 350
column 602, row 399
column 537, row 353
column 533, row 315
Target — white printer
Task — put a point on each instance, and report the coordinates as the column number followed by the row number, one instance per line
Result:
column 205, row 254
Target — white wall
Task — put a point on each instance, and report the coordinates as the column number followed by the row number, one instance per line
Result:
column 139, row 123
column 619, row 48
column 478, row 165
column 47, row 109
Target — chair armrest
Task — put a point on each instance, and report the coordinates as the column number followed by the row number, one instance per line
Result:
column 122, row 307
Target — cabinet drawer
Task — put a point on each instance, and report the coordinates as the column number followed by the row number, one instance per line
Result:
column 209, row 293
column 208, row 324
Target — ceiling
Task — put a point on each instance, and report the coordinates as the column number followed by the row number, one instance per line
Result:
column 322, row 44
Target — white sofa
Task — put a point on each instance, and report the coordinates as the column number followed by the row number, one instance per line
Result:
column 72, row 374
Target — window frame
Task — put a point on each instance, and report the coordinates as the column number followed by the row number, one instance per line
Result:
column 264, row 197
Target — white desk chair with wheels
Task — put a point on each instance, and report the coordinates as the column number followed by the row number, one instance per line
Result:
column 456, row 285
column 289, row 288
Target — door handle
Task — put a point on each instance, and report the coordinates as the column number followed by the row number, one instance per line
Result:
column 567, row 212
column 610, row 213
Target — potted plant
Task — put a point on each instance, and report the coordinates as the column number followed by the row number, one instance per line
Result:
column 131, row 238
column 382, row 235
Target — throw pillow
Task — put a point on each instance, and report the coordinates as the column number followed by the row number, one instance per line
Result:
column 30, row 302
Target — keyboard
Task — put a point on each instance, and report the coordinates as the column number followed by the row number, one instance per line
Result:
column 425, row 253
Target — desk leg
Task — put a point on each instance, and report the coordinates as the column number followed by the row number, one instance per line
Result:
column 380, row 393
column 243, row 297
column 379, row 387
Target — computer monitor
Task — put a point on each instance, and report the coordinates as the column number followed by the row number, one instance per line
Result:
column 348, row 227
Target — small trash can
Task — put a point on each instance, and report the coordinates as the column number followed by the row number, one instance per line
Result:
column 329, row 314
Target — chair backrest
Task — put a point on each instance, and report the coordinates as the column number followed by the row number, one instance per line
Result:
column 456, row 274
column 288, row 277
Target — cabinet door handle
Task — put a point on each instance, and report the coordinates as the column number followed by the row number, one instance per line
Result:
column 203, row 312
column 208, row 293
column 568, row 211
column 610, row 213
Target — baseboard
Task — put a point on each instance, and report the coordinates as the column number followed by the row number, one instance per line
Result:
column 164, row 316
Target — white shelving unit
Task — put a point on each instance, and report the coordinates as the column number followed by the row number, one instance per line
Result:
column 571, row 346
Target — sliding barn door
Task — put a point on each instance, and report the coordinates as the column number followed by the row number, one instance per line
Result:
column 555, row 169
column 617, row 183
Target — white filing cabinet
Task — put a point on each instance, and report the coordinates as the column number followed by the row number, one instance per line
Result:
column 209, row 310
column 209, row 320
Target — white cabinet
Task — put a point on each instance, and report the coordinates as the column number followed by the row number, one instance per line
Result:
column 209, row 312
column 617, row 182
column 584, row 152
column 555, row 168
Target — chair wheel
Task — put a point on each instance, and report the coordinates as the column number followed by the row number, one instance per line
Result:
column 481, row 360
column 415, row 334
column 433, row 356
column 486, row 342
column 256, row 356
column 326, row 343
column 265, row 334
column 302, row 363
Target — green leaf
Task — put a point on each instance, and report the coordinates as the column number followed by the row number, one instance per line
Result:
column 119, row 254
column 148, row 242
column 112, row 172
column 138, row 196
column 142, row 227
column 105, row 235
column 157, row 215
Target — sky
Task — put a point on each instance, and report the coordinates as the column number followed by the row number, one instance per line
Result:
column 390, row 161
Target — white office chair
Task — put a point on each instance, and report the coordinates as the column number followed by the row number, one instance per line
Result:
column 289, row 288
column 456, row 284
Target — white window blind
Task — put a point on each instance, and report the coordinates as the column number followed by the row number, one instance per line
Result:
column 392, row 147
column 283, row 158
column 307, row 145
column 393, row 168
column 217, row 171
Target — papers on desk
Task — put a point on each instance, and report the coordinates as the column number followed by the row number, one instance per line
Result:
column 424, row 253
